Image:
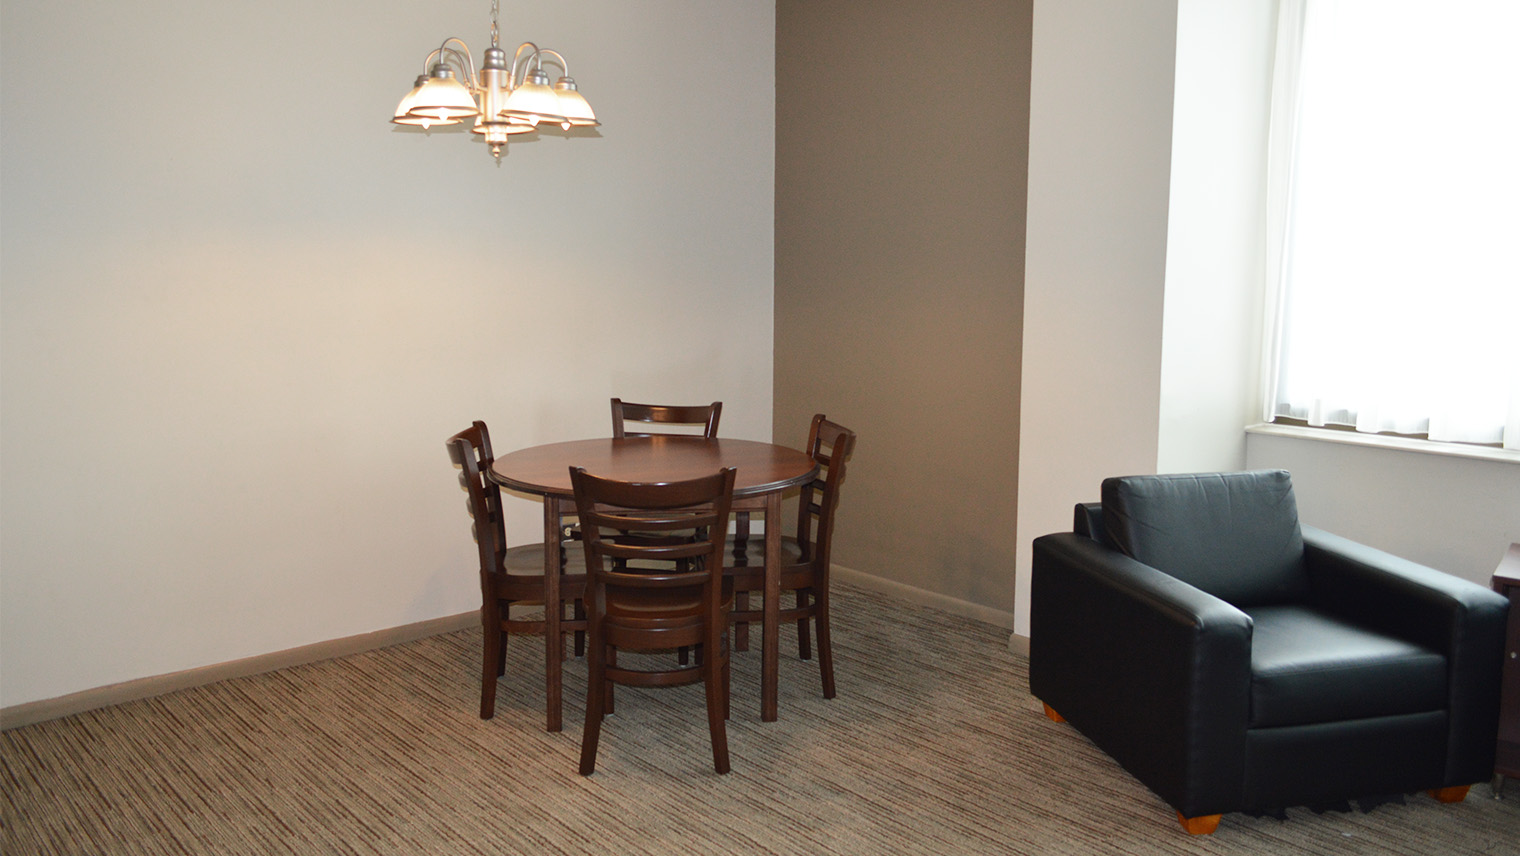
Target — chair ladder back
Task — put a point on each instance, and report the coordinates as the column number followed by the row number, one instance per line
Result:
column 688, row 555
column 705, row 415
column 609, row 510
column 471, row 450
column 830, row 445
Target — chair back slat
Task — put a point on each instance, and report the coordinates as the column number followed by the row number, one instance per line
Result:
column 680, row 526
column 830, row 445
column 470, row 450
column 702, row 416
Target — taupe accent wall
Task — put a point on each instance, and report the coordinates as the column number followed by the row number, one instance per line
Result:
column 902, row 133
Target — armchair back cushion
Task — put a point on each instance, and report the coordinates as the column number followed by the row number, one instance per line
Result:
column 1233, row 535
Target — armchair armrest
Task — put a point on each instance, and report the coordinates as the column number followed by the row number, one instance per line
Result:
column 1461, row 619
column 1154, row 671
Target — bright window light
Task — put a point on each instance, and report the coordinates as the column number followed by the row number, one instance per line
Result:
column 1401, row 254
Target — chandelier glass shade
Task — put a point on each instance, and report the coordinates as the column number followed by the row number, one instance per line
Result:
column 504, row 99
column 441, row 99
column 533, row 101
column 404, row 109
column 573, row 106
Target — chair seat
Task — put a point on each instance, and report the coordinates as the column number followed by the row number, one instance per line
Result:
column 523, row 582
column 1308, row 666
column 753, row 555
column 667, row 605
column 747, row 570
column 528, row 559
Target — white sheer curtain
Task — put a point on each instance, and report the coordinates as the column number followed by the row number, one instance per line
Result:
column 1393, row 256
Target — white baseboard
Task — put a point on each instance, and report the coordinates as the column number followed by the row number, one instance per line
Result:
column 18, row 715
column 955, row 606
column 1018, row 644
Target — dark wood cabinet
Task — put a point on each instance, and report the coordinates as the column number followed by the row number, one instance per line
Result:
column 1506, row 581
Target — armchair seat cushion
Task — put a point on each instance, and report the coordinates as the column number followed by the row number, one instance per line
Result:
column 1308, row 666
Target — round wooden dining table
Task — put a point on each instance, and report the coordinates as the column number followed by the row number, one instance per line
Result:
column 764, row 471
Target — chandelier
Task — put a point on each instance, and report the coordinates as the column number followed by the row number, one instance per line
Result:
column 504, row 100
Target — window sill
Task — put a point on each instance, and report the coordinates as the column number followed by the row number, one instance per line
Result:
column 1378, row 441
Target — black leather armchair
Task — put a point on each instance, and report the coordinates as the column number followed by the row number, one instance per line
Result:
column 1232, row 660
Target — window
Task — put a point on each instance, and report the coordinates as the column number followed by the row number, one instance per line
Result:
column 1394, row 218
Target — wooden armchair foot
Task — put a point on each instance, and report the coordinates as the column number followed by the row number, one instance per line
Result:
column 1450, row 795
column 1204, row 825
column 1054, row 717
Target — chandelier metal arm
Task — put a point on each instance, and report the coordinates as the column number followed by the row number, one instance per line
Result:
column 559, row 58
column 517, row 57
column 459, row 60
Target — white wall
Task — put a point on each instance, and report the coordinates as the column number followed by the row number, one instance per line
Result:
column 1089, row 358
column 1453, row 513
column 1099, row 156
column 1212, row 326
column 241, row 312
column 1456, row 514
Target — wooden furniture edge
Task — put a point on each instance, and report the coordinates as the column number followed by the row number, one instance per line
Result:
column 1509, row 566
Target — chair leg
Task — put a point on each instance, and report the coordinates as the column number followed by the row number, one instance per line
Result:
column 717, row 705
column 1450, row 795
column 804, row 644
column 579, row 611
column 1204, row 825
column 610, row 697
column 489, row 672
column 596, row 694
column 728, row 687
column 1050, row 712
column 501, row 654
column 741, row 534
column 741, row 628
column 825, row 644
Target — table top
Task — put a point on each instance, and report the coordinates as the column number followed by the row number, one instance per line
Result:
column 761, row 467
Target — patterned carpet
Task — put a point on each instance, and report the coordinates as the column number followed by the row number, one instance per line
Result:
column 934, row 746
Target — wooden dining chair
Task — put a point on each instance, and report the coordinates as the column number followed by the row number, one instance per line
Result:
column 509, row 576
column 651, row 594
column 705, row 415
column 806, row 554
